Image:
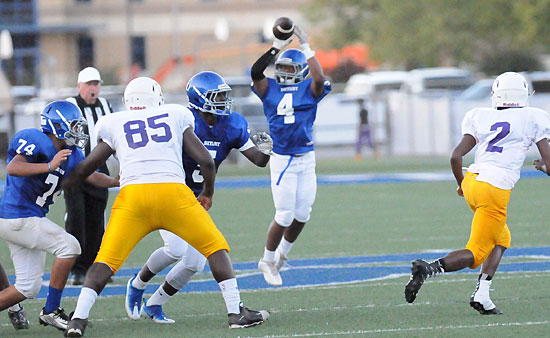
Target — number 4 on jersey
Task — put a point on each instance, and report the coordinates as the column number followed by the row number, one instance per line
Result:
column 286, row 109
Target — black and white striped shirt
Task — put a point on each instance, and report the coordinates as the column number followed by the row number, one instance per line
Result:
column 92, row 113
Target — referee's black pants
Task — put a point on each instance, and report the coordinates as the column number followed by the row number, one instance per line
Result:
column 85, row 220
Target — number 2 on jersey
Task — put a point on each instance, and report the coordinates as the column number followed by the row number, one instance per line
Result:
column 286, row 109
column 137, row 127
column 504, row 131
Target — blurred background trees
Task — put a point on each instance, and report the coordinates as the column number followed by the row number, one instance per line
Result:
column 492, row 35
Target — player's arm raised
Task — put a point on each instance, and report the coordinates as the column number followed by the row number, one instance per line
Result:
column 194, row 148
column 86, row 170
column 259, row 81
column 464, row 147
column 318, row 83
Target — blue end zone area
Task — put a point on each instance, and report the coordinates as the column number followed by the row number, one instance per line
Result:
column 326, row 271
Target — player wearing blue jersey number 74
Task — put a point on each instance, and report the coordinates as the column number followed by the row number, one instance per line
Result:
column 290, row 106
column 38, row 161
column 503, row 135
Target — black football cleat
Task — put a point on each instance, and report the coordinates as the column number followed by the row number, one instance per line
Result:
column 419, row 273
column 76, row 327
column 19, row 319
column 479, row 307
column 246, row 318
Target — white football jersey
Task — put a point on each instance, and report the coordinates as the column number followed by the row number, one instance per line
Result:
column 147, row 143
column 503, row 138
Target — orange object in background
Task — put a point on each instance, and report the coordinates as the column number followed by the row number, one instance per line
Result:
column 332, row 58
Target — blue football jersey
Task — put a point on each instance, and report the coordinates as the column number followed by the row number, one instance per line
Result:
column 31, row 196
column 290, row 112
column 230, row 132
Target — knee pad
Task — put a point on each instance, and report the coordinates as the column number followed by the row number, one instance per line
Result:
column 196, row 263
column 159, row 260
column 174, row 251
column 302, row 214
column 70, row 248
column 29, row 287
column 284, row 218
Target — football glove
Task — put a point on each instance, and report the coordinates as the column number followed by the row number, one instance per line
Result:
column 263, row 142
column 280, row 44
column 300, row 34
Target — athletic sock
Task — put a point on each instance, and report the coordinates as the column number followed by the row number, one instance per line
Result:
column 53, row 300
column 484, row 276
column 15, row 308
column 284, row 247
column 138, row 283
column 269, row 256
column 231, row 295
column 160, row 297
column 85, row 302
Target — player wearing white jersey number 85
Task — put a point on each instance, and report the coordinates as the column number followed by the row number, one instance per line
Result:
column 503, row 135
column 220, row 130
column 148, row 141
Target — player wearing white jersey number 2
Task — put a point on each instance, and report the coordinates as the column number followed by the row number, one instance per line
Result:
column 148, row 141
column 503, row 135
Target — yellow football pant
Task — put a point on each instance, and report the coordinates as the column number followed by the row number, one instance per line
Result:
column 489, row 228
column 142, row 208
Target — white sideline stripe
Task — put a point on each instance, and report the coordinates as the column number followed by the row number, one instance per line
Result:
column 405, row 329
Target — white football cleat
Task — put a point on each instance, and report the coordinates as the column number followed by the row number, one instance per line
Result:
column 271, row 274
column 481, row 301
column 280, row 260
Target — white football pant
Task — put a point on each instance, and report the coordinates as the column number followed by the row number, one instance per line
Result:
column 293, row 186
column 29, row 239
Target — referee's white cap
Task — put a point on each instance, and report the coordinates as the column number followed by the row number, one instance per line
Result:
column 89, row 74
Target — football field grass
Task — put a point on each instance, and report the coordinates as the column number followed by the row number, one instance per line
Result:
column 349, row 267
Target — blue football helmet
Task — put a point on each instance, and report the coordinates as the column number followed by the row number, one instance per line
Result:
column 208, row 92
column 297, row 60
column 64, row 120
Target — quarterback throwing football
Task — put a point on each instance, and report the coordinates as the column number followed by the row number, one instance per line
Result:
column 290, row 105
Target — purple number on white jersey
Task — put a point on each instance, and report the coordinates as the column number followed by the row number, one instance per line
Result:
column 504, row 131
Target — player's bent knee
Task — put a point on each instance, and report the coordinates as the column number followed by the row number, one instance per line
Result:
column 196, row 265
column 173, row 252
column 29, row 287
column 303, row 215
column 70, row 248
column 479, row 258
column 284, row 218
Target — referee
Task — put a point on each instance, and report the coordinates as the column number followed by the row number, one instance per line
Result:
column 85, row 217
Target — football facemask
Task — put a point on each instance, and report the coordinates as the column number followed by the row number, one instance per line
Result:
column 208, row 92
column 291, row 67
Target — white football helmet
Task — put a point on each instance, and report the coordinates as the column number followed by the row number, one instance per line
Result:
column 143, row 93
column 510, row 89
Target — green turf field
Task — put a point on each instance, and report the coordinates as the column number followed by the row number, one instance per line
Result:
column 348, row 220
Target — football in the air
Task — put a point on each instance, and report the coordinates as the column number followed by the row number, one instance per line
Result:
column 283, row 28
